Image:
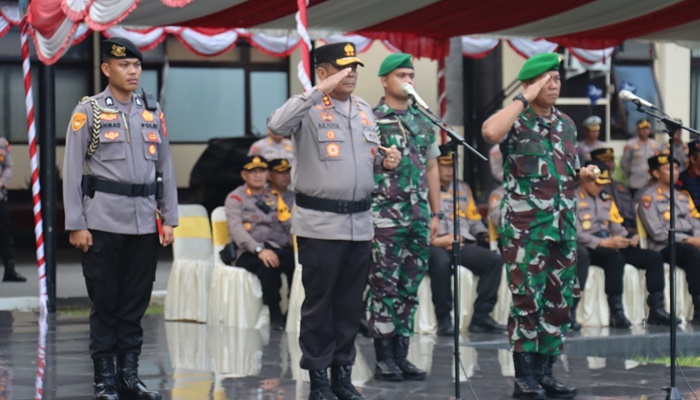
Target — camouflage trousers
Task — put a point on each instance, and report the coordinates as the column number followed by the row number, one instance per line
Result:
column 399, row 263
column 541, row 277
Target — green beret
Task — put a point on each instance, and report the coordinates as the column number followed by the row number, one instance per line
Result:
column 538, row 65
column 393, row 61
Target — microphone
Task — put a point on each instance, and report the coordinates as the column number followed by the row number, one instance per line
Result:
column 410, row 91
column 626, row 95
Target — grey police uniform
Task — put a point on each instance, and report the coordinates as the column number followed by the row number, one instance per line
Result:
column 271, row 150
column 654, row 211
column 335, row 155
column 259, row 221
column 119, row 268
column 634, row 161
column 496, row 162
column 484, row 263
column 625, row 204
column 680, row 152
column 495, row 199
column 584, row 149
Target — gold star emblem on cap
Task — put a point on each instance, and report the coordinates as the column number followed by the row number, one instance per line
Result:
column 663, row 160
column 118, row 51
column 256, row 160
column 284, row 163
column 349, row 50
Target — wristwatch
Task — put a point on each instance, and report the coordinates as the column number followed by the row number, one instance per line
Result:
column 258, row 249
column 439, row 215
column 522, row 98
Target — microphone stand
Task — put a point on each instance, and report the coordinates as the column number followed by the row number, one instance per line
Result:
column 671, row 127
column 456, row 248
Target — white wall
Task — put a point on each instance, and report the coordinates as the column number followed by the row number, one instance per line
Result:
column 672, row 69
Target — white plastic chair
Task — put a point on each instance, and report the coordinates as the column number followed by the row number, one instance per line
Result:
column 296, row 296
column 188, row 285
column 236, row 294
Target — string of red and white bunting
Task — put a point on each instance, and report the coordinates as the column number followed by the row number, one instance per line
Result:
column 36, row 202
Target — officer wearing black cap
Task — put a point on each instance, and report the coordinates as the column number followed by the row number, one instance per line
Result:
column 117, row 212
column 619, row 191
column 654, row 211
column 280, row 177
column 689, row 180
column 258, row 222
column 336, row 151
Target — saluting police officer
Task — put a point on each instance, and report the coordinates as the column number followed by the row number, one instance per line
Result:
column 115, row 211
column 336, row 151
column 655, row 213
column 258, row 223
column 7, row 243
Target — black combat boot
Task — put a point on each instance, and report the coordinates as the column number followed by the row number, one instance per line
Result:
column 130, row 386
column 341, row 383
column 572, row 315
column 657, row 312
column 105, row 382
column 617, row 313
column 410, row 371
column 526, row 386
column 11, row 274
column 553, row 388
column 320, row 388
column 696, row 313
column 386, row 368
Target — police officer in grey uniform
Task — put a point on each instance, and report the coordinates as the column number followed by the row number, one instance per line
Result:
column 336, row 152
column 475, row 255
column 619, row 191
column 634, row 157
column 681, row 151
column 272, row 147
column 280, row 177
column 112, row 213
column 258, row 222
column 590, row 142
column 654, row 211
column 7, row 243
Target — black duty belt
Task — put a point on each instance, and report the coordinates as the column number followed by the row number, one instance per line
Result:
column 91, row 184
column 335, row 206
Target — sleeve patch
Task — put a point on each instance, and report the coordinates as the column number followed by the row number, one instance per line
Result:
column 78, row 121
column 235, row 197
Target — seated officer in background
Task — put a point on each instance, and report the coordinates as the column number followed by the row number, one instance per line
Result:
column 590, row 142
column 610, row 246
column 258, row 223
column 476, row 256
column 620, row 192
column 689, row 179
column 279, row 178
column 654, row 211
column 680, row 148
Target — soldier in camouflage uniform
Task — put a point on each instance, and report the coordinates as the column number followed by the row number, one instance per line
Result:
column 402, row 222
column 538, row 230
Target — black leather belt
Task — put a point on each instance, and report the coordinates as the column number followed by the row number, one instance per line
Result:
column 335, row 206
column 91, row 184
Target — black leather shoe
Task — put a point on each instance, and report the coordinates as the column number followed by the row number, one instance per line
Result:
column 13, row 276
column 320, row 388
column 277, row 321
column 341, row 383
column 446, row 328
column 486, row 324
column 130, row 386
column 105, row 382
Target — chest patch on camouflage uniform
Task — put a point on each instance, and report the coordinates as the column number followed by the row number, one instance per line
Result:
column 78, row 120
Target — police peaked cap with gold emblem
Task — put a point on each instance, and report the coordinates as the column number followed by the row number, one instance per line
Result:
column 394, row 61
column 538, row 65
column 279, row 165
column 656, row 162
column 445, row 157
column 339, row 54
column 253, row 162
column 604, row 178
column 118, row 47
column 592, row 123
column 603, row 154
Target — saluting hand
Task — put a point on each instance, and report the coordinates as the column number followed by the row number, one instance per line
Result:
column 534, row 89
column 168, row 235
column 327, row 85
column 81, row 239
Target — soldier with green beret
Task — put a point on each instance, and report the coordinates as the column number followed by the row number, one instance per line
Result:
column 405, row 210
column 538, row 228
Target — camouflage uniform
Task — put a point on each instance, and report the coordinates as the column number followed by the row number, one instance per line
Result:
column 400, row 248
column 538, row 230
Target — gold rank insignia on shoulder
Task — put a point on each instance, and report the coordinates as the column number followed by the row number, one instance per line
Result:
column 84, row 98
column 118, row 51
